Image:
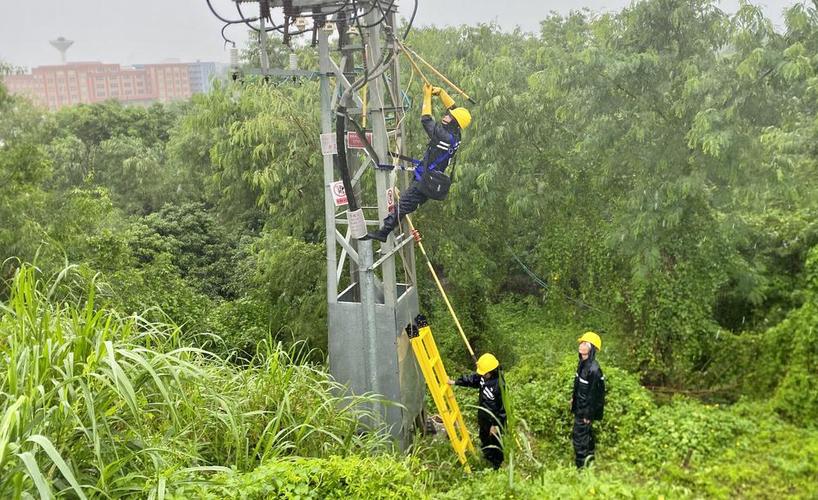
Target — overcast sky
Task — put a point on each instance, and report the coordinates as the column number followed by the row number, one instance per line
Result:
column 147, row 31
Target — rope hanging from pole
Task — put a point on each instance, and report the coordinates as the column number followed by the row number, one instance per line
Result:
column 416, row 236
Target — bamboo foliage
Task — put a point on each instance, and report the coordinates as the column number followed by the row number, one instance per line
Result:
column 98, row 405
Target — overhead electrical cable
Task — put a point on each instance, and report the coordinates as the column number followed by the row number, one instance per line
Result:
column 247, row 21
column 228, row 21
column 227, row 40
column 411, row 20
column 383, row 14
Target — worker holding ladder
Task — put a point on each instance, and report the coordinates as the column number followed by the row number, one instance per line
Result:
column 430, row 179
column 491, row 412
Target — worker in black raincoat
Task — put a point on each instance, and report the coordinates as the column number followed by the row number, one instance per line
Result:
column 444, row 140
column 588, row 401
column 491, row 413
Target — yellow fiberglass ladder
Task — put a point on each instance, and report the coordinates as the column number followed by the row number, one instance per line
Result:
column 428, row 357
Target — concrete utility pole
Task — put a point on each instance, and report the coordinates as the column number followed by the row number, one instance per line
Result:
column 369, row 304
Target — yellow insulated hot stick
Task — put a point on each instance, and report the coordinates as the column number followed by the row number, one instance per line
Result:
column 409, row 53
column 413, row 63
column 416, row 235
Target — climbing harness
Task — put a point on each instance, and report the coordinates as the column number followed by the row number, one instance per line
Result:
column 434, row 183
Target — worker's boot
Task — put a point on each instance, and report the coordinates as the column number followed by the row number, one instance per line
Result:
column 380, row 235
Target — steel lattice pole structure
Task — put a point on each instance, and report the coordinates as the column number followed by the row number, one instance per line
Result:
column 369, row 304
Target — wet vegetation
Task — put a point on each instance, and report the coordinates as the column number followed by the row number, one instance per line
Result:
column 650, row 174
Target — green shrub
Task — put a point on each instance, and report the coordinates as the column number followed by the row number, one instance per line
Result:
column 203, row 251
column 93, row 403
column 683, row 433
column 543, row 396
column 157, row 291
column 306, row 478
column 240, row 326
column 288, row 276
column 562, row 482
column 785, row 364
column 766, row 459
column 780, row 362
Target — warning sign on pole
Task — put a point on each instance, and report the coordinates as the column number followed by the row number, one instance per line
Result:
column 329, row 146
column 354, row 140
column 338, row 193
column 390, row 200
column 357, row 223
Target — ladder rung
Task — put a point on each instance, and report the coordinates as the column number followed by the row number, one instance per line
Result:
column 447, row 406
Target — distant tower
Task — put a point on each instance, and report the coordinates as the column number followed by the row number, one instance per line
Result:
column 62, row 45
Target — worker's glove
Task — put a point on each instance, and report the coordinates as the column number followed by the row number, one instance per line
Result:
column 427, row 100
column 446, row 99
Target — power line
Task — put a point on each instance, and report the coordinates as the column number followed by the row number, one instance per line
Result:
column 411, row 20
column 536, row 279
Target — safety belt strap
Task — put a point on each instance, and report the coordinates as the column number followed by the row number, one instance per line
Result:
column 440, row 159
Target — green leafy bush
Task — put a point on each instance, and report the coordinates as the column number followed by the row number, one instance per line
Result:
column 780, row 362
column 239, row 326
column 543, row 396
column 683, row 433
column 288, row 277
column 94, row 403
column 562, row 482
column 313, row 478
column 203, row 250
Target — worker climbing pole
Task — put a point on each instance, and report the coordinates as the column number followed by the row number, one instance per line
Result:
column 430, row 179
column 362, row 127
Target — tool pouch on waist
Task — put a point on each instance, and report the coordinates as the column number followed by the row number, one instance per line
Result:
column 435, row 185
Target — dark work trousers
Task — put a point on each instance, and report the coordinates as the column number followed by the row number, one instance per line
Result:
column 490, row 443
column 410, row 200
column 583, row 442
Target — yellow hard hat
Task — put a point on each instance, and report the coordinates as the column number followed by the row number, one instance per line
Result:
column 486, row 363
column 592, row 338
column 461, row 116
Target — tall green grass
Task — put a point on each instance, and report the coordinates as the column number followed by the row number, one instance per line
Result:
column 92, row 404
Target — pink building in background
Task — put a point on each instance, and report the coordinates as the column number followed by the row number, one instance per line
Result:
column 74, row 83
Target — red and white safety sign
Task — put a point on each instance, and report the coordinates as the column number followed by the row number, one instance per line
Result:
column 390, row 200
column 338, row 193
column 354, row 140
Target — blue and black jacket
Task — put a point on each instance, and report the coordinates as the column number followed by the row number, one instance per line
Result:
column 443, row 143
